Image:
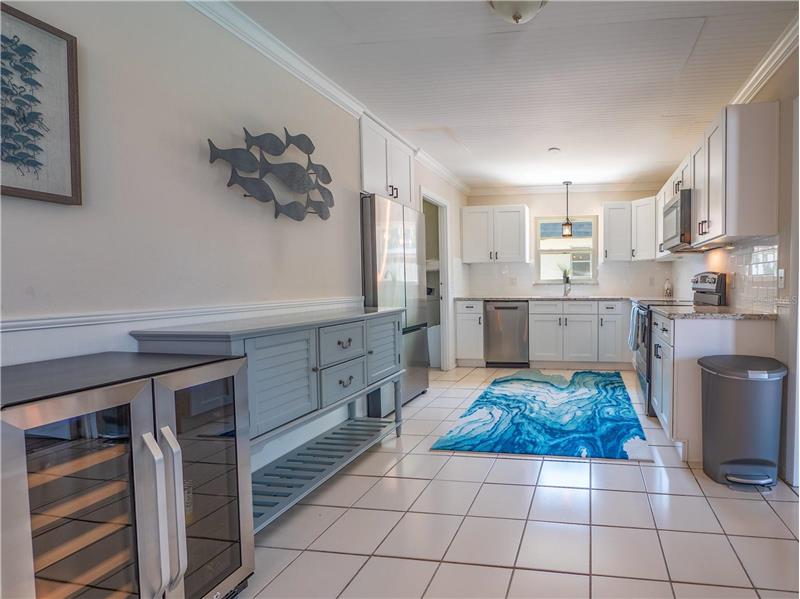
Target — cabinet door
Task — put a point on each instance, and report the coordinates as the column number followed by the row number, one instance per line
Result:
column 469, row 337
column 580, row 338
column 383, row 347
column 610, row 338
column 664, row 410
column 643, row 231
column 510, row 234
column 477, row 232
column 699, row 199
column 617, row 231
column 401, row 162
column 655, row 375
column 660, row 201
column 282, row 378
column 685, row 174
column 374, row 158
column 715, row 176
column 545, row 339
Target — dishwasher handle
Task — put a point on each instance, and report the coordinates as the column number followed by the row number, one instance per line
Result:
column 504, row 307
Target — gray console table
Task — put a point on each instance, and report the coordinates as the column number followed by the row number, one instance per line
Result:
column 300, row 367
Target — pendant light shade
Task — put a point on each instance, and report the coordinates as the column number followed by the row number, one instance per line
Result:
column 566, row 226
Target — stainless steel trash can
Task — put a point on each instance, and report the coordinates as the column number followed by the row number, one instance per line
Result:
column 741, row 418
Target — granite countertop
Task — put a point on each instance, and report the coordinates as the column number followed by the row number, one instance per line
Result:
column 711, row 313
column 544, row 298
column 252, row 327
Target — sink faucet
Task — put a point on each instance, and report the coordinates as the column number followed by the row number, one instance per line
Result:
column 567, row 287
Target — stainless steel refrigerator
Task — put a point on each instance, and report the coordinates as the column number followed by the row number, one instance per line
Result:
column 393, row 271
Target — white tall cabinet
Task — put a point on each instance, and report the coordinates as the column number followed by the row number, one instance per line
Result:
column 387, row 164
column 495, row 234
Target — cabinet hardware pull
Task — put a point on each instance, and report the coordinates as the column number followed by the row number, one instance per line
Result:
column 370, row 351
column 314, row 369
column 605, row 252
column 495, row 255
column 565, row 321
column 161, row 508
column 609, row 307
column 657, row 351
column 174, row 468
column 559, row 321
column 397, row 192
column 391, row 191
column 348, row 383
column 480, row 320
column 490, row 255
column 660, row 247
column 601, row 321
column 633, row 253
column 345, row 344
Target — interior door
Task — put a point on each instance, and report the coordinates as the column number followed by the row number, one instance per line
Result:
column 510, row 234
column 580, row 338
column 202, row 428
column 617, row 231
column 477, row 232
column 545, row 340
column 83, row 496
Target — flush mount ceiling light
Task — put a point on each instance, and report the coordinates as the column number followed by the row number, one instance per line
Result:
column 517, row 12
column 566, row 226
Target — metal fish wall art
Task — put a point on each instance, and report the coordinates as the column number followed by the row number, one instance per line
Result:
column 294, row 177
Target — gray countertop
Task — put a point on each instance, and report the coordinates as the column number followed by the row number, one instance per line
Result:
column 545, row 298
column 711, row 313
column 253, row 327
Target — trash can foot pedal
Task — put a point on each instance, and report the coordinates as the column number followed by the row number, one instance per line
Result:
column 750, row 479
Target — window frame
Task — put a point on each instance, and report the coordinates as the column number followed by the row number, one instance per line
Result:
column 537, row 221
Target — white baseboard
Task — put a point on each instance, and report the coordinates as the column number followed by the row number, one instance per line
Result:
column 49, row 337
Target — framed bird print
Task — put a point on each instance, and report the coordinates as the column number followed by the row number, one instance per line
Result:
column 40, row 152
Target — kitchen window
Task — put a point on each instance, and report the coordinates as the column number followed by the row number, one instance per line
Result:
column 576, row 254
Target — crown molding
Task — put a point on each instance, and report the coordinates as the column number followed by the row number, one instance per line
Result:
column 521, row 190
column 437, row 167
column 230, row 18
column 226, row 15
column 773, row 59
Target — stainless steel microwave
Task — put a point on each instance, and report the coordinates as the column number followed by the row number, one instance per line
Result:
column 677, row 222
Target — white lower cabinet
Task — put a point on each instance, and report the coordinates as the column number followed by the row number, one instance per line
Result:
column 546, row 338
column 580, row 338
column 469, row 330
column 662, row 354
column 612, row 338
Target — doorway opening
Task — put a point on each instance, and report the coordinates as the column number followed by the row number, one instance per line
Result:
column 437, row 259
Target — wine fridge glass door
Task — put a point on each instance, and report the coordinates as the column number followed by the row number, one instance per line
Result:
column 201, row 424
column 79, row 475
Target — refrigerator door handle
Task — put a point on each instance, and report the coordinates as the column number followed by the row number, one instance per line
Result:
column 177, row 526
column 161, row 508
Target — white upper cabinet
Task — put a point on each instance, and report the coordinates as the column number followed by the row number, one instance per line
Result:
column 617, row 231
column 495, row 234
column 387, row 164
column 643, row 229
column 735, row 182
column 477, row 234
column 662, row 197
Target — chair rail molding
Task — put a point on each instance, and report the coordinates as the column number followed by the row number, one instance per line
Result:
column 59, row 336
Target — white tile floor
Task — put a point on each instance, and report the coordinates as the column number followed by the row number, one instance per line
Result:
column 404, row 521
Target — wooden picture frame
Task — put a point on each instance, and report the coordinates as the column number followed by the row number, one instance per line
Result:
column 64, row 177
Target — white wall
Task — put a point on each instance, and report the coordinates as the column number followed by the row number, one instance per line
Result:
column 624, row 278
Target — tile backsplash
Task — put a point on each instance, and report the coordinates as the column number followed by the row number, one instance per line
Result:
column 754, row 267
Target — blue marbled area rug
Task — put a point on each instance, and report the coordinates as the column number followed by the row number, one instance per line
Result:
column 529, row 412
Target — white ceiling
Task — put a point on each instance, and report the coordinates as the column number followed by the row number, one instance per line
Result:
column 624, row 88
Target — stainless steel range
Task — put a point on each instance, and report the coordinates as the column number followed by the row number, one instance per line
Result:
column 709, row 288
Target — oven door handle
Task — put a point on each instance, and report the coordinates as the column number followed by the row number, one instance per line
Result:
column 177, row 524
column 161, row 508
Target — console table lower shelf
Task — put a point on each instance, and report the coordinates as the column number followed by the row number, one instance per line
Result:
column 282, row 483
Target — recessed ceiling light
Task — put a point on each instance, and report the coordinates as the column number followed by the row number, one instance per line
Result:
column 554, row 150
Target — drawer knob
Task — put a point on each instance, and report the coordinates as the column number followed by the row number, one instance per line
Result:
column 345, row 344
column 370, row 352
column 347, row 383
column 314, row 369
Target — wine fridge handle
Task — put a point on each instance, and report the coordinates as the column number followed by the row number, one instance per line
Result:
column 176, row 466
column 161, row 508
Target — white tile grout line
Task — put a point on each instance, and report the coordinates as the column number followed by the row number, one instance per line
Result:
column 536, row 485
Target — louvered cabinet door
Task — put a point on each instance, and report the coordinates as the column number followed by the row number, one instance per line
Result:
column 383, row 347
column 281, row 378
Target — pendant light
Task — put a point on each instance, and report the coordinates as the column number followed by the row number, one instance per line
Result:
column 566, row 226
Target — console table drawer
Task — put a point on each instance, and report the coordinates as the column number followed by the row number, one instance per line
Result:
column 341, row 342
column 345, row 379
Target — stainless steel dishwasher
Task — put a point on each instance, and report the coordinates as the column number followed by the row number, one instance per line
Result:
column 506, row 332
